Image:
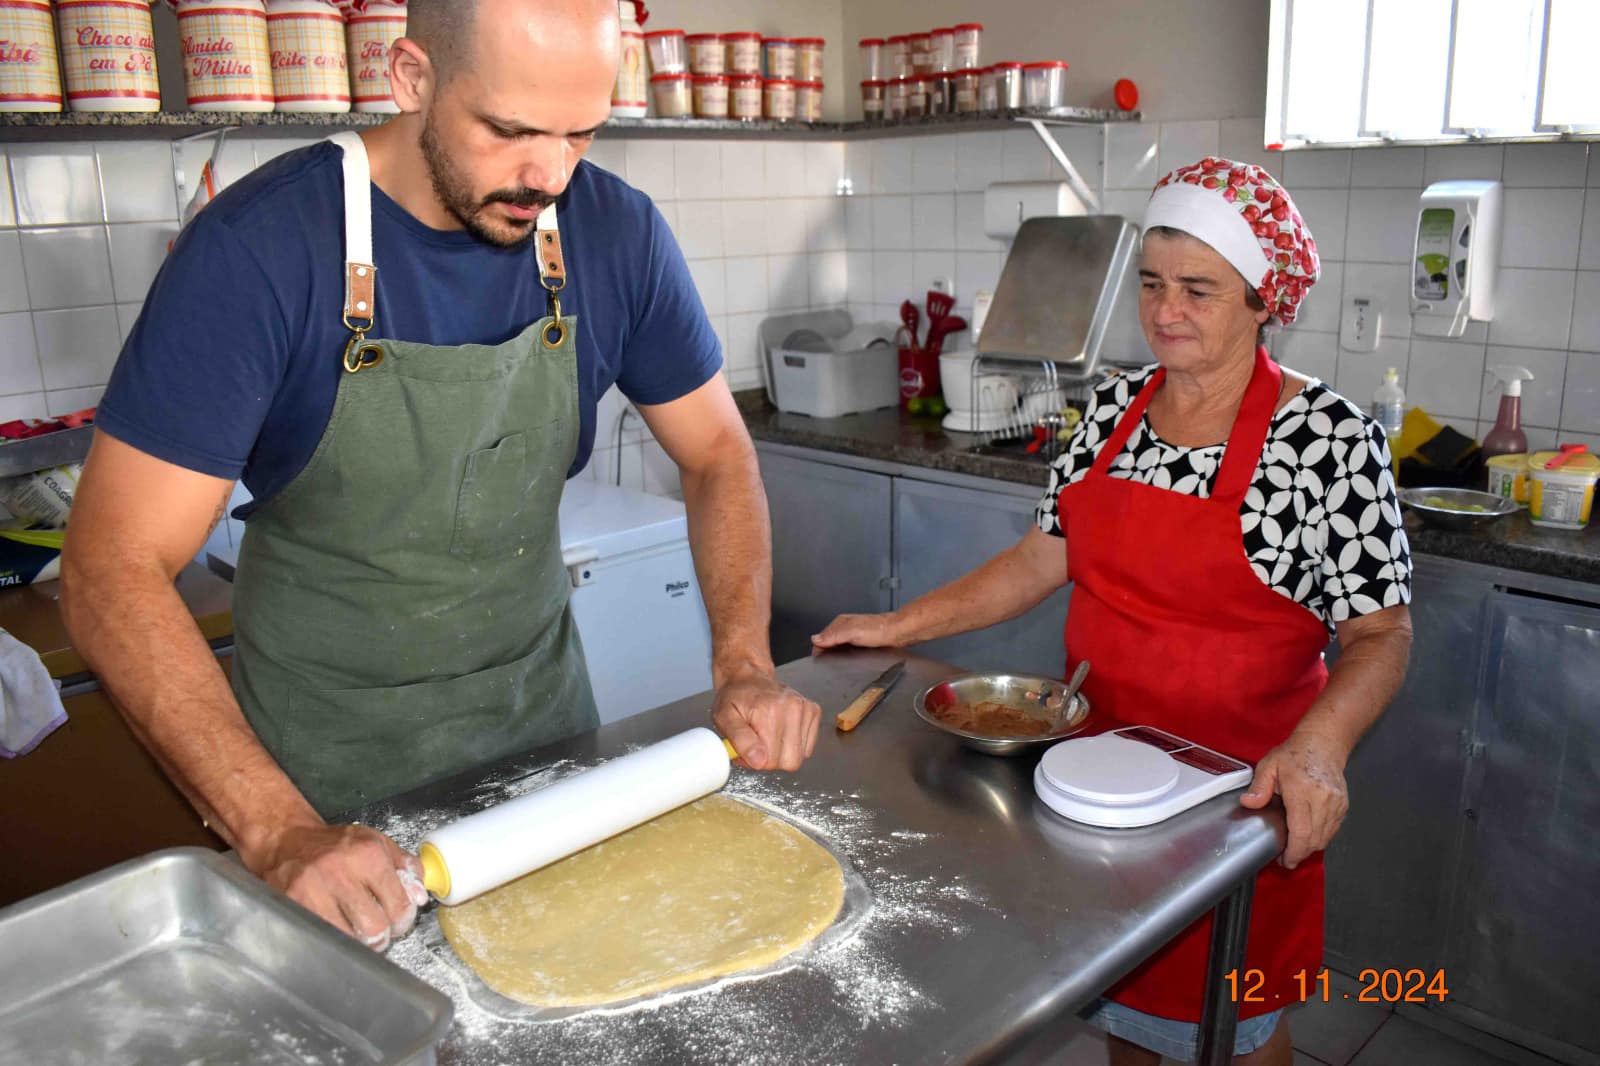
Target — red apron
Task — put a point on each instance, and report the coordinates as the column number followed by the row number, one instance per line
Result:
column 1183, row 635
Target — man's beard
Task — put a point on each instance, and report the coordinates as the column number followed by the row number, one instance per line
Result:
column 456, row 195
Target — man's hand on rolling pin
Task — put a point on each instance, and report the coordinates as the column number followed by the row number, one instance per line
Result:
column 354, row 878
column 771, row 725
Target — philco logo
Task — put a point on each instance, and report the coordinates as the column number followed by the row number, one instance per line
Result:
column 677, row 588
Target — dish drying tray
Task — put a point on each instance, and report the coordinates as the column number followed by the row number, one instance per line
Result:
column 183, row 957
column 1044, row 395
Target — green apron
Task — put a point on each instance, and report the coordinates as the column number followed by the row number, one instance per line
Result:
column 401, row 608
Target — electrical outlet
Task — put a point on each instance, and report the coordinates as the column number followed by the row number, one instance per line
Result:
column 1362, row 324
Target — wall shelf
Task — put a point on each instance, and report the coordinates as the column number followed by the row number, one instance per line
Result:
column 83, row 125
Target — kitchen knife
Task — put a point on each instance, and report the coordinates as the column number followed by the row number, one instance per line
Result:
column 870, row 696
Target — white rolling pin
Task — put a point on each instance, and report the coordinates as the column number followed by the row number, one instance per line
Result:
column 485, row 850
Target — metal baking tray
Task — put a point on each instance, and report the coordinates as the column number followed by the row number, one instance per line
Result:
column 183, row 957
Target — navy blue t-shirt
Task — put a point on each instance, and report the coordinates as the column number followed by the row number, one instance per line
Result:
column 233, row 365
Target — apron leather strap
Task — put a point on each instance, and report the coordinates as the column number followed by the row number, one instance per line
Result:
column 360, row 273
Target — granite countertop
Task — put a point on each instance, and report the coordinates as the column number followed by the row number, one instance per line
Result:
column 1514, row 543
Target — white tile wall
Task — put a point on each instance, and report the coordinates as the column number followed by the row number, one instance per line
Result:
column 83, row 228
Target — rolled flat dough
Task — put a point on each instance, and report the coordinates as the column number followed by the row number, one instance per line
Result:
column 711, row 888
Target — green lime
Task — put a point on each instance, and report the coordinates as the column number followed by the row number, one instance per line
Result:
column 916, row 404
column 936, row 406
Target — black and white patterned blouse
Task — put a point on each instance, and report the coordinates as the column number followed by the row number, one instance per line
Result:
column 1321, row 520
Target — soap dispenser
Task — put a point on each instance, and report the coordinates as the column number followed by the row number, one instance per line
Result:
column 1456, row 256
column 1507, row 438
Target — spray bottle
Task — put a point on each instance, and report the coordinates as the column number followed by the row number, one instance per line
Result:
column 1507, row 438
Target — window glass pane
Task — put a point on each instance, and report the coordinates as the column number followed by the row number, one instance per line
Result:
column 1496, row 65
column 1408, row 68
column 1327, row 43
column 1571, row 75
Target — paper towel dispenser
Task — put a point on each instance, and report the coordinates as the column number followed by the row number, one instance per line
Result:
column 1069, row 295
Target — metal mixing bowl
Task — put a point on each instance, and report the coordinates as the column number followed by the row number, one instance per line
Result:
column 1020, row 692
column 1494, row 507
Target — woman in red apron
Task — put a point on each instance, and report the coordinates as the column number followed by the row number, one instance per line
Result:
column 1222, row 518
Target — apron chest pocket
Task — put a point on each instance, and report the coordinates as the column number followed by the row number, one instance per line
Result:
column 499, row 497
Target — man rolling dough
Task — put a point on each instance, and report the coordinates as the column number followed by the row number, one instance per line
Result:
column 397, row 341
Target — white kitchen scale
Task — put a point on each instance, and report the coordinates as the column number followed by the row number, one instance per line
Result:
column 1132, row 777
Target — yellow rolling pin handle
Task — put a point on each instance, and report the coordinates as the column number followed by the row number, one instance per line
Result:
column 435, row 874
column 733, row 752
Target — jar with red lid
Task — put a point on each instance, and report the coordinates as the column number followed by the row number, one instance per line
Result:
column 942, row 49
column 744, row 96
column 874, row 59
column 668, row 51
column 969, row 45
column 30, row 78
column 808, row 101
column 710, row 95
column 108, row 55
column 672, row 93
column 874, row 99
column 1044, row 84
column 808, row 58
column 941, row 94
column 899, row 104
column 780, row 99
column 779, row 56
column 744, row 53
column 899, row 58
column 921, row 53
column 706, row 54
column 1008, row 85
column 917, row 101
column 965, row 91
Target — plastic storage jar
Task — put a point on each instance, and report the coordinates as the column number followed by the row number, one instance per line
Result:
column 668, row 51
column 744, row 52
column 1008, row 84
column 966, row 91
column 108, row 55
column 921, row 45
column 874, row 59
column 227, row 64
column 942, row 49
column 744, row 96
column 1562, row 498
column 779, row 56
column 941, row 94
column 1508, row 478
column 899, row 59
column 710, row 96
column 630, row 95
column 780, row 99
column 808, row 101
column 899, row 103
column 707, row 57
column 969, row 45
column 988, row 90
column 808, row 58
column 1044, row 84
column 30, row 77
column 672, row 94
column 874, row 97
column 310, row 68
column 369, row 34
column 917, row 97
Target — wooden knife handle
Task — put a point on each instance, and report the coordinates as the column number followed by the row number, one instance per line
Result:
column 851, row 716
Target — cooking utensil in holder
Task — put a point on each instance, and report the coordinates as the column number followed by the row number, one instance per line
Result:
column 1042, row 394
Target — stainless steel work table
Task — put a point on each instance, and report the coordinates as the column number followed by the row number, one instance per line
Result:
column 1059, row 911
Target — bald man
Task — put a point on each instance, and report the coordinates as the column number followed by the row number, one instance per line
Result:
column 397, row 341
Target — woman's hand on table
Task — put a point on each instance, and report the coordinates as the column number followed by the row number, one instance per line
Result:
column 857, row 630
column 1307, row 770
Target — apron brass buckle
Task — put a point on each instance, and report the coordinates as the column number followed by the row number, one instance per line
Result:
column 359, row 353
column 555, row 334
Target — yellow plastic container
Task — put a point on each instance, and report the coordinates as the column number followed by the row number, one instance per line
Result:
column 1508, row 478
column 1562, row 498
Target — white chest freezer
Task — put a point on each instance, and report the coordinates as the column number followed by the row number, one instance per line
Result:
column 635, row 597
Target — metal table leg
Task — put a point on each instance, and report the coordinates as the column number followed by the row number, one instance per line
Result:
column 1230, row 928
